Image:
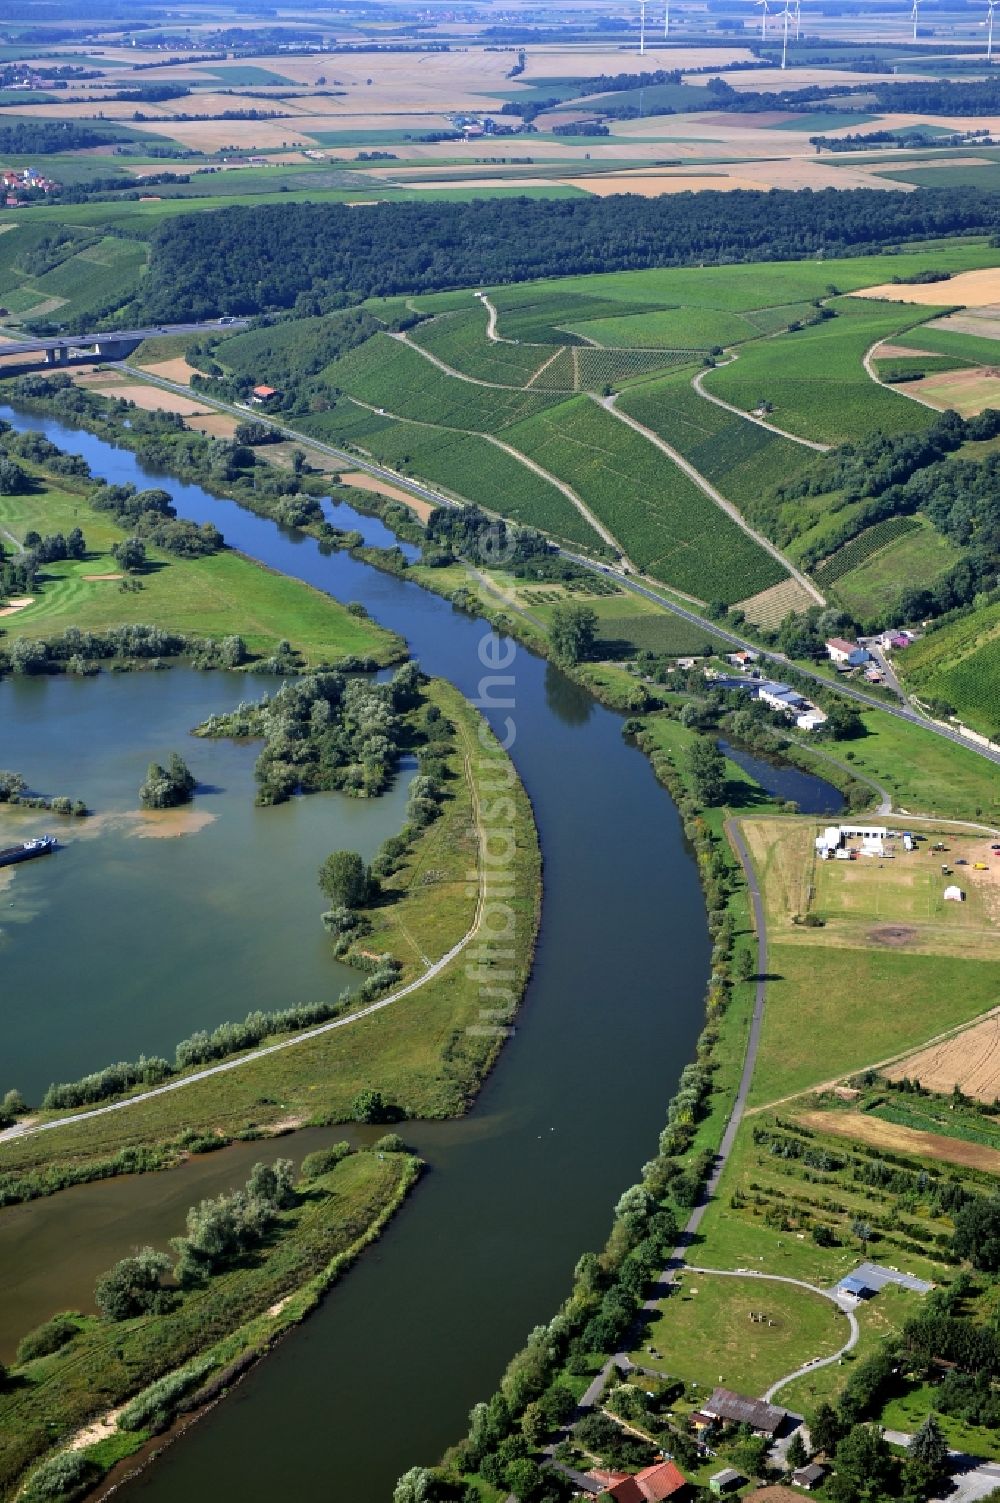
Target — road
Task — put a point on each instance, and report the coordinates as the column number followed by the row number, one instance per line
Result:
column 698, row 479
column 621, row 577
column 30, row 1128
column 113, row 336
column 807, row 443
column 827, row 1294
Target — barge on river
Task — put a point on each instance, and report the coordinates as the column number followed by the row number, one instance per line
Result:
column 28, row 850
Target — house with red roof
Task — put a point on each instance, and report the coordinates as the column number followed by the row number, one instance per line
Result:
column 651, row 1485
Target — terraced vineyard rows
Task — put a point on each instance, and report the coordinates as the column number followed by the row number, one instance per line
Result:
column 960, row 663
column 815, row 382
column 462, row 464
column 459, row 339
column 663, row 521
column 854, row 553
column 742, row 459
column 386, row 373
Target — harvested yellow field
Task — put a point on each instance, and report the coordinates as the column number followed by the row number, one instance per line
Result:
column 363, row 482
column 972, row 289
column 770, row 607
column 925, row 1145
column 245, row 135
column 154, row 398
column 574, row 62
column 968, row 392
column 214, row 424
column 171, row 370
column 970, row 1060
column 651, row 185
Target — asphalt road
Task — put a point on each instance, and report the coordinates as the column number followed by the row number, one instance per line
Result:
column 80, row 341
column 627, row 581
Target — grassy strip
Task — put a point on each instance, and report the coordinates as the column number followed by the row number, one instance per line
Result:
column 423, row 1053
column 233, row 1318
column 213, row 596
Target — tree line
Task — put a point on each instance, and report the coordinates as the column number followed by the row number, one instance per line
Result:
column 242, row 260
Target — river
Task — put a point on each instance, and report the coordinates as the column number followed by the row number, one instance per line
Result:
column 383, row 1375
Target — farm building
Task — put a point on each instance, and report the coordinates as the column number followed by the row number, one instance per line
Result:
column 734, row 1409
column 846, row 654
column 834, row 838
column 856, row 1286
column 263, row 394
column 811, row 719
column 809, row 1476
column 726, row 1481
column 779, row 696
column 954, row 894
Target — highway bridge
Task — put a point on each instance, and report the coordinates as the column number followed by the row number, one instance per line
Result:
column 109, row 344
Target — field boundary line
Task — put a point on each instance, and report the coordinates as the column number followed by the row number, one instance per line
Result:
column 880, row 1064
column 530, row 464
column 696, row 382
column 449, row 370
column 732, row 511
column 26, row 1131
column 899, row 388
column 544, row 367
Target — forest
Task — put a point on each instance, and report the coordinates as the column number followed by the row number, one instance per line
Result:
column 250, row 260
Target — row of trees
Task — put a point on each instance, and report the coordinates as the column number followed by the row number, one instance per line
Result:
column 218, row 1233
column 245, row 260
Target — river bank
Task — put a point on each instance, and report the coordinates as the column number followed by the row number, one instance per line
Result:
column 621, row 870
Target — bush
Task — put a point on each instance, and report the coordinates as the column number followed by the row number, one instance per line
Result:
column 65, row 1477
column 315, row 1165
column 47, row 1338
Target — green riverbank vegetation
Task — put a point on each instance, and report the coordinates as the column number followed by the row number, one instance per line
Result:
column 425, row 1057
column 175, row 1332
column 73, row 611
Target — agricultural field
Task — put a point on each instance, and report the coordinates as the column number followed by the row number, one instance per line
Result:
column 942, row 338
column 742, row 459
column 969, row 1059
column 814, row 382
column 911, row 557
column 464, row 465
column 387, row 373
column 664, row 523
column 860, row 549
column 85, row 274
column 960, row 663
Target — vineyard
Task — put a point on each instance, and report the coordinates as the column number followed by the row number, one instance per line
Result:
column 387, row 373
column 459, row 339
column 462, row 464
column 882, row 535
column 960, row 663
column 742, row 459
column 815, row 382
column 663, row 521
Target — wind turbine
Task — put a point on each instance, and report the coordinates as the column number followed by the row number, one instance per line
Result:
column 786, row 16
column 764, row 8
column 666, row 20
column 990, row 5
column 798, row 19
column 915, row 14
column 642, row 27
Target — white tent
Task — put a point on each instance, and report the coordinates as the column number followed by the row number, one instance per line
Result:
column 954, row 895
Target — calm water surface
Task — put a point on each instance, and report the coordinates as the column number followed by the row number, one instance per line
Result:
column 385, row 1373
